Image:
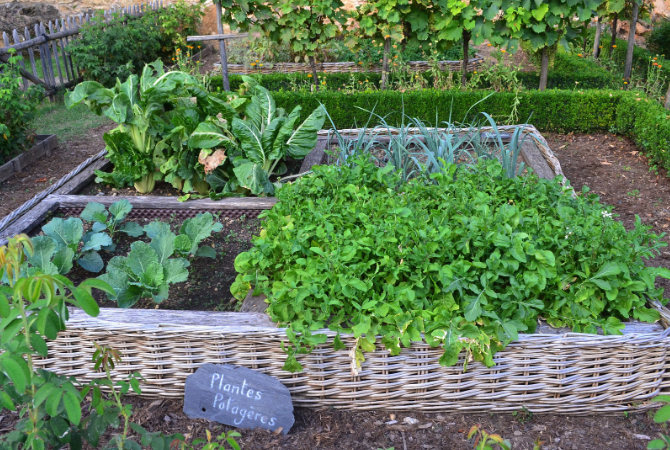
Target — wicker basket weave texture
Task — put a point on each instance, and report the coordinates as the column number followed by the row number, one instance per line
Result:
column 571, row 373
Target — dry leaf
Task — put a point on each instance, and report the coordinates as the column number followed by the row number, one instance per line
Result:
column 212, row 161
column 563, row 146
column 634, row 153
column 605, row 163
column 41, row 180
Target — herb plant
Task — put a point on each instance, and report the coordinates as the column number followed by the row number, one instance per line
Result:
column 464, row 262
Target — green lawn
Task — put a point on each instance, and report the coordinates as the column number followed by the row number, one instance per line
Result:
column 55, row 118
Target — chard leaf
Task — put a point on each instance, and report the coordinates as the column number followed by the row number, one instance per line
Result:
column 208, row 135
column 252, row 176
column 250, row 141
column 303, row 139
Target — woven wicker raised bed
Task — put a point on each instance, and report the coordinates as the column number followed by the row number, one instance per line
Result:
column 346, row 67
column 551, row 371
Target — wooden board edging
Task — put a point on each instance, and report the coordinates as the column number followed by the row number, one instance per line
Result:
column 45, row 145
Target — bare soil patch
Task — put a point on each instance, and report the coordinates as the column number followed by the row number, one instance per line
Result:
column 36, row 177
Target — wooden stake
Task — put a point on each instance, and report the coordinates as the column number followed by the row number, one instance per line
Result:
column 222, row 47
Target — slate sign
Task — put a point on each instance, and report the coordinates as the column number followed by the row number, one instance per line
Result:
column 238, row 396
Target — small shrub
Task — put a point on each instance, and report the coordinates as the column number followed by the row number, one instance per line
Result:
column 17, row 109
column 117, row 48
column 659, row 39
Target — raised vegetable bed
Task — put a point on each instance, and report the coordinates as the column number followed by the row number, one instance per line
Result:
column 44, row 145
column 549, row 371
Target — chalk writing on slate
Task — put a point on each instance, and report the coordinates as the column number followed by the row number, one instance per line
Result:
column 238, row 396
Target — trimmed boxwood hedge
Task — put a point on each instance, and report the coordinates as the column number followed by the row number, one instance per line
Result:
column 550, row 110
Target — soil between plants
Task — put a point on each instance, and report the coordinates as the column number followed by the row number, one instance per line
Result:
column 209, row 280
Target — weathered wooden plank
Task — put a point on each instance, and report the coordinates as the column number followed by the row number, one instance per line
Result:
column 164, row 317
column 27, row 222
column 157, row 202
column 60, row 26
column 534, row 159
column 254, row 303
column 5, row 39
column 79, row 181
column 17, row 40
column 54, row 46
column 45, row 144
column 216, row 37
column 30, row 52
column 316, row 156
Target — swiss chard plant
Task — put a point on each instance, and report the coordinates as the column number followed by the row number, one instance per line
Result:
column 242, row 153
column 464, row 262
column 138, row 105
column 150, row 268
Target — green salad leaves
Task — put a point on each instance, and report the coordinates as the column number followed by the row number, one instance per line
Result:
column 465, row 262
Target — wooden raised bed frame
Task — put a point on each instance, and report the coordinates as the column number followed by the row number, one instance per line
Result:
column 551, row 371
column 45, row 144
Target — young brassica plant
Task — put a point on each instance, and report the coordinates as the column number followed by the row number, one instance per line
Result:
column 112, row 220
column 149, row 269
column 68, row 242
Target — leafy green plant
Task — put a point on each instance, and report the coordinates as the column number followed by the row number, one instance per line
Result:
column 17, row 109
column 176, row 22
column 65, row 240
column 254, row 147
column 138, row 105
column 483, row 440
column 111, row 221
column 661, row 416
column 109, row 49
column 472, row 254
column 34, row 308
column 149, row 268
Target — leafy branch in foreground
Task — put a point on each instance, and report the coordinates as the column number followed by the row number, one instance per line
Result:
column 465, row 262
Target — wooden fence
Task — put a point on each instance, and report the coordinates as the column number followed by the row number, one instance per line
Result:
column 51, row 66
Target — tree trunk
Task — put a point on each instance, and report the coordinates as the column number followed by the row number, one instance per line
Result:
column 466, row 57
column 631, row 42
column 544, row 71
column 596, row 42
column 312, row 63
column 615, row 24
column 667, row 98
column 385, row 64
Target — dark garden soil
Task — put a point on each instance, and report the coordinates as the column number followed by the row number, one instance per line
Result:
column 613, row 168
column 328, row 429
column 166, row 189
column 41, row 174
column 209, row 281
